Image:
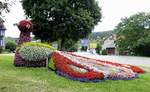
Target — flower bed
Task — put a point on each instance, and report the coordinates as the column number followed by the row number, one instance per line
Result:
column 31, row 54
column 85, row 69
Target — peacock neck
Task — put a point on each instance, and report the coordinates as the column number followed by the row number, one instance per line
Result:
column 24, row 37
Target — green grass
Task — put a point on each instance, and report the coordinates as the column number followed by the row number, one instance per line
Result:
column 13, row 79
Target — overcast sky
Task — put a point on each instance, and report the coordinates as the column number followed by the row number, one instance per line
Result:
column 112, row 11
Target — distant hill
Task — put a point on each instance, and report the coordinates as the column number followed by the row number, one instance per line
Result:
column 101, row 35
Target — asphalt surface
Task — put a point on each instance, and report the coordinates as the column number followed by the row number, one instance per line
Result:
column 133, row 60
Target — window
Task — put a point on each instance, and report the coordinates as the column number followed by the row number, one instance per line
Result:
column 1, row 42
column 2, row 32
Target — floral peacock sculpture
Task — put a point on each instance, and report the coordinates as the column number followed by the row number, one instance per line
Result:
column 28, row 53
column 25, row 28
column 67, row 64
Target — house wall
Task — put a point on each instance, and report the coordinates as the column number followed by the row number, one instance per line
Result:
column 109, row 45
column 2, row 35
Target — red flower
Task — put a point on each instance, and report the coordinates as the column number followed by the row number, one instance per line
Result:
column 62, row 64
column 25, row 25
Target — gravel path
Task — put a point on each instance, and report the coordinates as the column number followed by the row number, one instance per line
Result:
column 139, row 61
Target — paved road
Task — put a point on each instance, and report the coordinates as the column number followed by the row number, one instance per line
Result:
column 139, row 61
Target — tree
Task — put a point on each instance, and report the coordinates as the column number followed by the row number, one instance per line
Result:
column 4, row 6
column 10, row 44
column 62, row 20
column 133, row 34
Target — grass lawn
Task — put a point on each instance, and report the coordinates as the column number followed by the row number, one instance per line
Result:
column 13, row 79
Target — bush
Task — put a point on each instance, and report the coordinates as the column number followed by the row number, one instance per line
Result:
column 98, row 48
column 1, row 49
column 35, row 51
column 11, row 46
column 104, row 52
column 72, row 48
column 84, row 48
column 70, row 45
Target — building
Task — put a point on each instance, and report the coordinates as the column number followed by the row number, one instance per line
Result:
column 2, row 34
column 109, row 45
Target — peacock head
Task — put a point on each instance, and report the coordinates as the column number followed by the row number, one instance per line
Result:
column 25, row 26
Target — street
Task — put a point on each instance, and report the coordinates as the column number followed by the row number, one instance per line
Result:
column 133, row 60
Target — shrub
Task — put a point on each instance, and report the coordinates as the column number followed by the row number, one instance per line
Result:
column 104, row 52
column 1, row 49
column 35, row 51
column 38, row 44
column 69, row 45
column 72, row 48
column 84, row 48
column 11, row 46
column 98, row 48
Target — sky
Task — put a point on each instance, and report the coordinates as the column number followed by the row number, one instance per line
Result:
column 112, row 12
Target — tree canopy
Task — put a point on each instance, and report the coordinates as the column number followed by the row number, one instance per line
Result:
column 55, row 20
column 4, row 6
column 133, row 34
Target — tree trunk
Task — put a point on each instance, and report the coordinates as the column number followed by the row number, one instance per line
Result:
column 62, row 45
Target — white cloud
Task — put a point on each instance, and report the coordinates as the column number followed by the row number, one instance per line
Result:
column 112, row 11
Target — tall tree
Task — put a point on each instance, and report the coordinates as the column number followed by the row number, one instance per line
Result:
column 4, row 6
column 133, row 34
column 62, row 19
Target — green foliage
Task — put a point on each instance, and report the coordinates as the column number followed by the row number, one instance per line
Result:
column 104, row 52
column 11, row 46
column 1, row 49
column 6, row 51
column 9, row 39
column 70, row 45
column 38, row 45
column 73, row 48
column 35, row 51
column 84, row 48
column 133, row 35
column 98, row 48
column 14, row 79
column 51, row 64
column 55, row 20
column 101, row 35
column 3, row 6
